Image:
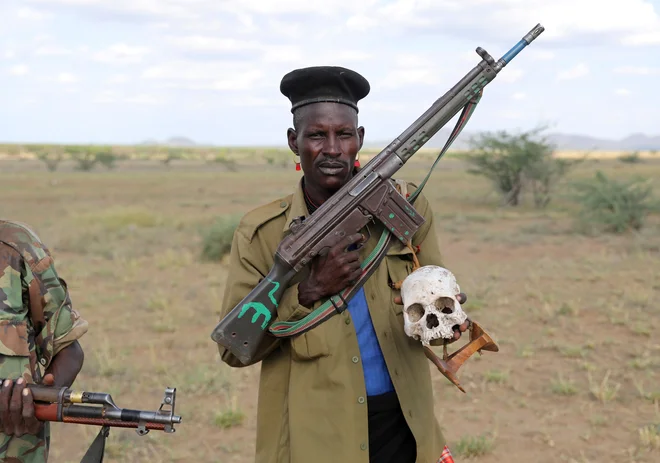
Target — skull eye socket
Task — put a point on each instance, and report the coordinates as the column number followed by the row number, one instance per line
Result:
column 416, row 312
column 445, row 305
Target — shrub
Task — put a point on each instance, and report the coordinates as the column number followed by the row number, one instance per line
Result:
column 216, row 241
column 630, row 158
column 515, row 162
column 613, row 206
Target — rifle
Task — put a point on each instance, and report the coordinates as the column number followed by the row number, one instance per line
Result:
column 370, row 195
column 62, row 404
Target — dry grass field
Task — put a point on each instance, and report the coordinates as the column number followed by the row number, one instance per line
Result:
column 577, row 378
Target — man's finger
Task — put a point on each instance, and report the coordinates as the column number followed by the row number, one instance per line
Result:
column 398, row 300
column 6, row 426
column 464, row 327
column 16, row 408
column 349, row 240
column 462, row 298
column 32, row 424
column 49, row 379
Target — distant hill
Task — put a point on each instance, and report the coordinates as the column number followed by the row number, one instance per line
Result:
column 563, row 141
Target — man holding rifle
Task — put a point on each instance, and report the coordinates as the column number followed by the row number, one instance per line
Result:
column 355, row 388
column 38, row 329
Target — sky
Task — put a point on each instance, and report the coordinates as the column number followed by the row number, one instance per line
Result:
column 126, row 71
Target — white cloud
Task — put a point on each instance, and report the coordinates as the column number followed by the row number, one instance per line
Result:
column 637, row 70
column 622, row 91
column 30, row 14
column 18, row 70
column 117, row 79
column 67, row 78
column 10, row 54
column 121, row 53
column 52, row 51
column 106, row 97
column 410, row 69
column 651, row 37
column 519, row 96
column 577, row 71
column 145, row 99
column 510, row 75
column 193, row 75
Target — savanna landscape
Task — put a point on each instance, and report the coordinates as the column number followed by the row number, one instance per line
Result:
column 565, row 278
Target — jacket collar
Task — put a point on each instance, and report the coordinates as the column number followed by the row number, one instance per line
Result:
column 298, row 207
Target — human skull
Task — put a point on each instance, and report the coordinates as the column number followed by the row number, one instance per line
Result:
column 430, row 307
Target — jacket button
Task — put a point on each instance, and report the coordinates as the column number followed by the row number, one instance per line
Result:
column 355, row 359
column 347, row 321
column 363, row 446
column 283, row 204
column 43, row 362
column 361, row 400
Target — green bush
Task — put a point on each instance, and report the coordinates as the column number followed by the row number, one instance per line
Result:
column 630, row 158
column 514, row 163
column 613, row 206
column 217, row 239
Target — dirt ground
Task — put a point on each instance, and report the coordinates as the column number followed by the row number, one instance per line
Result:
column 577, row 378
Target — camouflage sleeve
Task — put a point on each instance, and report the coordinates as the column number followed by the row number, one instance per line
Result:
column 11, row 285
column 67, row 324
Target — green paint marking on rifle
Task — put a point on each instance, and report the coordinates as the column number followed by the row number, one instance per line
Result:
column 407, row 233
column 271, row 295
column 391, row 216
column 259, row 310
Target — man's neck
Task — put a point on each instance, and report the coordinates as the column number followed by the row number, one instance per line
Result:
column 314, row 197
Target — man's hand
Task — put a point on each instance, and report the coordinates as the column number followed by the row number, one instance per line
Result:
column 331, row 273
column 17, row 408
column 458, row 329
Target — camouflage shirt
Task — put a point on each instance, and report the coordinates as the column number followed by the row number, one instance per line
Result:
column 36, row 322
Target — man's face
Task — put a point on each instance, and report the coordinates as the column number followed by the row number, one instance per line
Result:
column 327, row 140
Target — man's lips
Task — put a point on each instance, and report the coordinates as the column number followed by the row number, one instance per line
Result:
column 331, row 168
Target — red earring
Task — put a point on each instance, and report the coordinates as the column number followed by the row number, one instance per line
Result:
column 297, row 163
column 357, row 161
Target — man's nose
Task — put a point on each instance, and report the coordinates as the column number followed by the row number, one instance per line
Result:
column 331, row 146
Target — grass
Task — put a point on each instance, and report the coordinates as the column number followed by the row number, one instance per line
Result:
column 575, row 316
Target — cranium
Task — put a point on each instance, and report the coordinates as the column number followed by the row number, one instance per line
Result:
column 430, row 307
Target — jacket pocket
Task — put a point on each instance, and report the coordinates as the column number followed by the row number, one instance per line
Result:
column 14, row 339
column 311, row 345
column 16, row 359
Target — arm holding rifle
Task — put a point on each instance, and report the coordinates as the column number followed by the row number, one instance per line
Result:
column 55, row 336
column 249, row 262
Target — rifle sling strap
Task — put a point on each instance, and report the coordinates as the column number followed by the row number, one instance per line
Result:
column 338, row 303
column 96, row 451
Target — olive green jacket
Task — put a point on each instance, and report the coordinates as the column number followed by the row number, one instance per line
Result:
column 312, row 396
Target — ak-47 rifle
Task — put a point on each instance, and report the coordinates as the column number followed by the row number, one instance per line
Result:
column 62, row 404
column 370, row 195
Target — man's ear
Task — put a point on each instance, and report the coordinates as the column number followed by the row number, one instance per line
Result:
column 361, row 136
column 292, row 138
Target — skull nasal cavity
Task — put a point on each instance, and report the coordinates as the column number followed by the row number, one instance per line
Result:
column 432, row 321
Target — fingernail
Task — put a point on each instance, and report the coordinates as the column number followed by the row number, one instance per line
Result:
column 19, row 381
column 25, row 392
column 7, row 383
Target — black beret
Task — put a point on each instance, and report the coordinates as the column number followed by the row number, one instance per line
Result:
column 324, row 83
